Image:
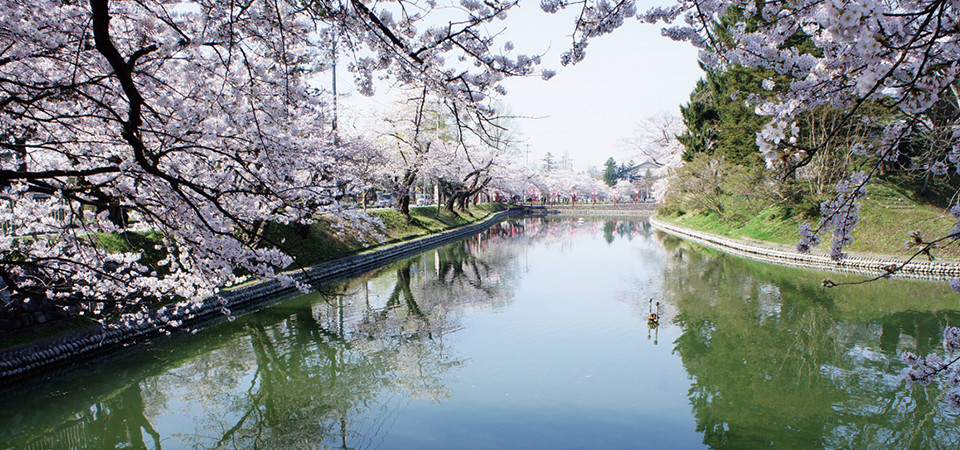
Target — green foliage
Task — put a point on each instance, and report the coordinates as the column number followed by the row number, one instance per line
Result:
column 739, row 125
column 716, row 186
column 718, row 120
column 610, row 172
column 149, row 246
column 887, row 215
column 702, row 120
column 624, row 171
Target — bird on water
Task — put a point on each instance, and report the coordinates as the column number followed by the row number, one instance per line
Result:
column 654, row 317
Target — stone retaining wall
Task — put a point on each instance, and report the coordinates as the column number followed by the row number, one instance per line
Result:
column 599, row 210
column 100, row 341
column 818, row 261
column 590, row 212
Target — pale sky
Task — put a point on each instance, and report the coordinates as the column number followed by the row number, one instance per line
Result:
column 592, row 107
column 586, row 110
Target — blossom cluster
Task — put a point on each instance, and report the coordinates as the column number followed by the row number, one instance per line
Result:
column 808, row 238
column 840, row 214
column 770, row 138
column 934, row 367
column 198, row 123
column 853, row 52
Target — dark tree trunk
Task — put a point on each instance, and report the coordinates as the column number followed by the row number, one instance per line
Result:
column 403, row 196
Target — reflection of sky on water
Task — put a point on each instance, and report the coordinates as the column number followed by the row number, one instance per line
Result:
column 568, row 365
column 532, row 335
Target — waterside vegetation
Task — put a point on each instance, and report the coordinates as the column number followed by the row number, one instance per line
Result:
column 888, row 217
column 320, row 242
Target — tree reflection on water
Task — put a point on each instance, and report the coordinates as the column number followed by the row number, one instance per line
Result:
column 321, row 368
column 772, row 358
column 778, row 361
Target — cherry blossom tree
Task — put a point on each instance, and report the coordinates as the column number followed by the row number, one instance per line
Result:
column 484, row 155
column 623, row 190
column 655, row 139
column 196, row 123
column 144, row 117
column 464, row 172
column 416, row 135
column 565, row 184
column 842, row 54
column 514, row 179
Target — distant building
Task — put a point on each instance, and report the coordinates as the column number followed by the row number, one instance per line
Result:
column 642, row 170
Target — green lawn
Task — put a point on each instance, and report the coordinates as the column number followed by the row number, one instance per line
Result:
column 426, row 220
column 886, row 216
column 322, row 241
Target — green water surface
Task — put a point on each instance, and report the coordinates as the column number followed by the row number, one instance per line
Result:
column 534, row 334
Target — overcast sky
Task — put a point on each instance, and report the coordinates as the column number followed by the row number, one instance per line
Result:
column 589, row 109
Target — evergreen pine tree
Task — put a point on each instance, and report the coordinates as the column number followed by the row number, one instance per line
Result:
column 610, row 172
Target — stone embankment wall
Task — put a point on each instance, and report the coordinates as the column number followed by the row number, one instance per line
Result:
column 22, row 315
column 861, row 266
column 101, row 341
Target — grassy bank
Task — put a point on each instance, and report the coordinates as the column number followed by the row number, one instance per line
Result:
column 320, row 242
column 886, row 216
column 323, row 241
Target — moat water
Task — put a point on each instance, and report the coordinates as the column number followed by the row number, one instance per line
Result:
column 534, row 334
